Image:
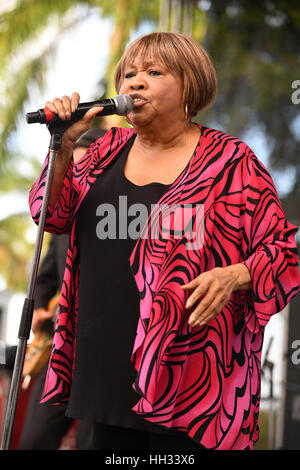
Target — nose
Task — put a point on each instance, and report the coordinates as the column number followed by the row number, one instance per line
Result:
column 138, row 81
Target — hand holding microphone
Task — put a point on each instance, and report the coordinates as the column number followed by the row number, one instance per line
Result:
column 73, row 119
column 60, row 111
column 64, row 109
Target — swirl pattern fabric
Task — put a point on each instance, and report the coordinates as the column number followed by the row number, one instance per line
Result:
column 204, row 381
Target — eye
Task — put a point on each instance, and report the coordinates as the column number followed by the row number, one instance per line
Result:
column 154, row 72
column 128, row 75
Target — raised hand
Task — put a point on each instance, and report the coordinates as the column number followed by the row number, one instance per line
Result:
column 64, row 107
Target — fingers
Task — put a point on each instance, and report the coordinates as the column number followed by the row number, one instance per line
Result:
column 203, row 306
column 67, row 108
column 209, row 307
column 64, row 106
column 75, row 97
column 210, row 292
column 91, row 113
column 199, row 286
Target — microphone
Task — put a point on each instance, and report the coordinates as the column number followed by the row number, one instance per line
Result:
column 120, row 104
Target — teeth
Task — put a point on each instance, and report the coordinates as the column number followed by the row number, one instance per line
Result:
column 136, row 99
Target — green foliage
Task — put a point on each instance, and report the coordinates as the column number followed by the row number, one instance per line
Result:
column 255, row 46
column 16, row 94
column 12, row 174
column 26, row 21
column 15, row 250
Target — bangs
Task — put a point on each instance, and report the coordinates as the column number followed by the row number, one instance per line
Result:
column 148, row 49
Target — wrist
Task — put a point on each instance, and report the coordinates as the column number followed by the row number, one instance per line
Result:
column 63, row 160
column 241, row 276
column 66, row 148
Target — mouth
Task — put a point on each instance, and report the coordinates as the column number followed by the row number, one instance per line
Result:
column 138, row 100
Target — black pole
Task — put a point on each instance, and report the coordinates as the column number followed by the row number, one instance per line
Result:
column 28, row 307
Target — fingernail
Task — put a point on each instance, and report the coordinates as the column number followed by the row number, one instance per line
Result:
column 68, row 114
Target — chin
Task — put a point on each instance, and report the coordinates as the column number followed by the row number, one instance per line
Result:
column 138, row 119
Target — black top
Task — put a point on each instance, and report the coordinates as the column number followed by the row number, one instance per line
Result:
column 108, row 298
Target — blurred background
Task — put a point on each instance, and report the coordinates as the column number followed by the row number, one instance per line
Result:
column 50, row 48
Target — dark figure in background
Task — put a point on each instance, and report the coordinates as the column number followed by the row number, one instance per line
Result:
column 45, row 425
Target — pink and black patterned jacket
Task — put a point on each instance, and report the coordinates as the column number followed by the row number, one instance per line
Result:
column 204, row 380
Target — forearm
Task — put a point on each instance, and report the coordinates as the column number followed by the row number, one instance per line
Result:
column 62, row 163
column 64, row 109
column 59, row 217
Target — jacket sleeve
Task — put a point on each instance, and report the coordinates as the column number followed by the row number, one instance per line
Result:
column 58, row 219
column 269, row 248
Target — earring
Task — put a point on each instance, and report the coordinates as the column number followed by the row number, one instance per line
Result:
column 186, row 111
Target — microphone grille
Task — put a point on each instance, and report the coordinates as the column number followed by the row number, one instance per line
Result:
column 124, row 104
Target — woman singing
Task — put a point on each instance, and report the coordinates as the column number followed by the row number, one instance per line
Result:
column 179, row 255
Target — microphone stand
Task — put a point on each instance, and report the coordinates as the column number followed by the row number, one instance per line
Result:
column 56, row 130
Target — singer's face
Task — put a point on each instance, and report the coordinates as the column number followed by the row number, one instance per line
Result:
column 156, row 93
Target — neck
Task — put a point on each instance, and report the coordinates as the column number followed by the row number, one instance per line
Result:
column 166, row 138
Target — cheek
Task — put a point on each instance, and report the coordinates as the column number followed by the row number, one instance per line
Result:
column 172, row 96
column 178, row 93
column 122, row 88
column 172, row 90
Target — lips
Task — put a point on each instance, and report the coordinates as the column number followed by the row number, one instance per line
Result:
column 138, row 100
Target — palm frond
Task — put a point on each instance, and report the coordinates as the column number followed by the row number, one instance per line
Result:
column 26, row 21
column 15, row 250
column 17, row 79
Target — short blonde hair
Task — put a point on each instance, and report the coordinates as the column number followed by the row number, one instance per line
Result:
column 182, row 56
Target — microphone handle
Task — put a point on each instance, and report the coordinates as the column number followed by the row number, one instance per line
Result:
column 44, row 116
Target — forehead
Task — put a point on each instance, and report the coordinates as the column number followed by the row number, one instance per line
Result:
column 143, row 62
